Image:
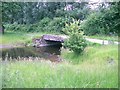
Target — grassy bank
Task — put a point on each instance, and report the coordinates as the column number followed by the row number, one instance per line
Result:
column 90, row 70
column 96, row 53
column 14, row 38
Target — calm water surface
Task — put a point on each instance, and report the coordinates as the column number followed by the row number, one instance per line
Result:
column 50, row 52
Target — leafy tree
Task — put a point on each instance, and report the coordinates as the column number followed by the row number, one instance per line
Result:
column 32, row 12
column 103, row 22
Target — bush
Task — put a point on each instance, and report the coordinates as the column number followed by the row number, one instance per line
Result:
column 37, row 27
column 42, row 24
column 72, row 27
column 93, row 25
column 76, row 42
column 56, row 25
column 21, row 27
column 45, row 25
column 52, row 25
column 103, row 22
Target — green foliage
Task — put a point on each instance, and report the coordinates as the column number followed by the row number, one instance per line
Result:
column 76, row 42
column 33, row 12
column 45, row 25
column 41, row 26
column 92, row 26
column 60, row 13
column 27, row 12
column 72, row 28
column 103, row 22
column 21, row 27
column 37, row 27
column 56, row 25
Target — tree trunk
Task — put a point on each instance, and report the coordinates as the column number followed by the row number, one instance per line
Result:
column 2, row 29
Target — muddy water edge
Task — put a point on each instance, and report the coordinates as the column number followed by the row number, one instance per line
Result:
column 51, row 53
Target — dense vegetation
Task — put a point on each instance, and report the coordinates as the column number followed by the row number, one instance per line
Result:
column 105, row 21
column 32, row 12
column 52, row 16
column 45, row 25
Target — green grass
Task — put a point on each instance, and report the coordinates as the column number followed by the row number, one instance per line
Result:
column 92, row 54
column 103, row 37
column 90, row 70
column 14, row 38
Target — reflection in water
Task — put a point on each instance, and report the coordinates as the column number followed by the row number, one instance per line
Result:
column 51, row 52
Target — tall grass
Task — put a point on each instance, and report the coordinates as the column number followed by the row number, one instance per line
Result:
column 93, row 54
column 92, row 70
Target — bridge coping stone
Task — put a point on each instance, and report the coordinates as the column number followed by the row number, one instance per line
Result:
column 58, row 38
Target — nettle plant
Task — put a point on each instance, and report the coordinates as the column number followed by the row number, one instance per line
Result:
column 76, row 41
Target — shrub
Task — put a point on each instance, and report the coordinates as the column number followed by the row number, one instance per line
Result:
column 52, row 25
column 37, row 27
column 45, row 25
column 56, row 25
column 32, row 28
column 15, row 27
column 21, row 27
column 76, row 42
column 103, row 22
column 9, row 27
column 72, row 27
column 42, row 24
column 93, row 25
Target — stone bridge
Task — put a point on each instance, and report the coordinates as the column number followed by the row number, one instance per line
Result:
column 49, row 40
